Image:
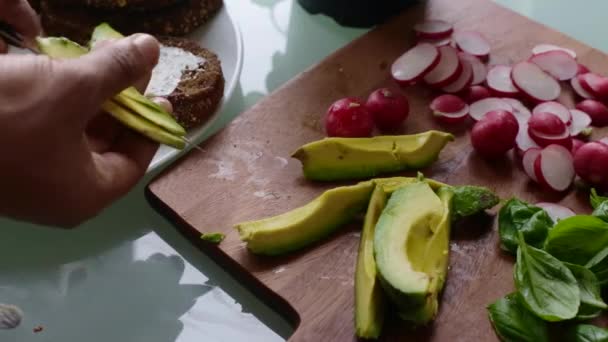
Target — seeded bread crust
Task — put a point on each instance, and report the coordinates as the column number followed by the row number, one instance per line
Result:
column 199, row 91
column 135, row 5
column 78, row 23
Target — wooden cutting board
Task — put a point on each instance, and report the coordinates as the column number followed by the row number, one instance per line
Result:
column 245, row 173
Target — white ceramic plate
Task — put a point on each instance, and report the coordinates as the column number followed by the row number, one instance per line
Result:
column 222, row 36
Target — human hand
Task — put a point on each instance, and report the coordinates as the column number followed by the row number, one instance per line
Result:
column 20, row 15
column 62, row 162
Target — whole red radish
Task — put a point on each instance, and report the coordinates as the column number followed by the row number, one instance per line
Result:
column 546, row 123
column 591, row 163
column 348, row 118
column 476, row 93
column 494, row 134
column 388, row 108
column 576, row 144
column 596, row 110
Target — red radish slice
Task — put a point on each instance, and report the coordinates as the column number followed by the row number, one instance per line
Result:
column 465, row 79
column 580, row 122
column 582, row 69
column 597, row 85
column 554, row 167
column 596, row 110
column 480, row 108
column 433, row 29
column 453, row 118
column 479, row 69
column 520, row 111
column 447, row 70
column 523, row 141
column 437, row 42
column 472, row 43
column 575, row 82
column 534, row 82
column 476, row 93
column 542, row 139
column 447, row 104
column 556, row 212
column 576, row 144
column 528, row 160
column 554, row 108
column 542, row 48
column 558, row 64
column 547, row 123
column 499, row 81
column 415, row 63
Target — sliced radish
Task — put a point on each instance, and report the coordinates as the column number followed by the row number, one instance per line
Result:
column 596, row 85
column 415, row 63
column 465, row 79
column 557, row 63
column 476, row 93
column 453, row 118
column 479, row 69
column 439, row 42
column 534, row 82
column 575, row 82
column 596, row 110
column 547, row 123
column 433, row 29
column 521, row 112
column 499, row 81
column 543, row 140
column 582, row 69
column 576, row 144
column 523, row 141
column 473, row 43
column 604, row 141
column 554, row 167
column 447, row 70
column 528, row 160
column 556, row 212
column 542, row 48
column 580, row 122
column 556, row 109
column 480, row 108
column 447, row 104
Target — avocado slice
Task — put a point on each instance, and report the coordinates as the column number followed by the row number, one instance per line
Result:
column 391, row 184
column 303, row 226
column 332, row 159
column 411, row 249
column 369, row 298
column 103, row 31
column 60, row 47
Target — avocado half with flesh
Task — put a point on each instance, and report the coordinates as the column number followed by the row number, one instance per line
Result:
column 332, row 159
column 411, row 246
column 369, row 298
column 302, row 226
column 129, row 107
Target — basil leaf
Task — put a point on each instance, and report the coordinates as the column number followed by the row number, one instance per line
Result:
column 592, row 303
column 531, row 220
column 470, row 200
column 514, row 323
column 596, row 199
column 601, row 211
column 546, row 286
column 586, row 333
column 577, row 239
column 213, row 237
column 599, row 266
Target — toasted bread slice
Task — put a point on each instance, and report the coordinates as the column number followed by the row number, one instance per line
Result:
column 137, row 5
column 77, row 23
column 197, row 93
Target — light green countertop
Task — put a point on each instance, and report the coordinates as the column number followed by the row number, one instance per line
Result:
column 128, row 275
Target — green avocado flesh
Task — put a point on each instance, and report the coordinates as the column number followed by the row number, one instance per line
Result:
column 103, row 31
column 302, row 226
column 369, row 299
column 411, row 249
column 129, row 107
column 355, row 158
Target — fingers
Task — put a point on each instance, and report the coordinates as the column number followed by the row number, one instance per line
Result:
column 123, row 165
column 117, row 65
column 22, row 17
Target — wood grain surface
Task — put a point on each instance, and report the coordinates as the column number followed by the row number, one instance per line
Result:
column 245, row 173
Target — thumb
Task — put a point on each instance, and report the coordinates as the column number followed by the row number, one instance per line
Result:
column 119, row 64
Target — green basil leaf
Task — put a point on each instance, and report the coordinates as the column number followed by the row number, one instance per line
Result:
column 596, row 199
column 577, row 239
column 599, row 266
column 592, row 303
column 531, row 220
column 586, row 333
column 545, row 285
column 213, row 237
column 469, row 200
column 514, row 323
column 601, row 211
